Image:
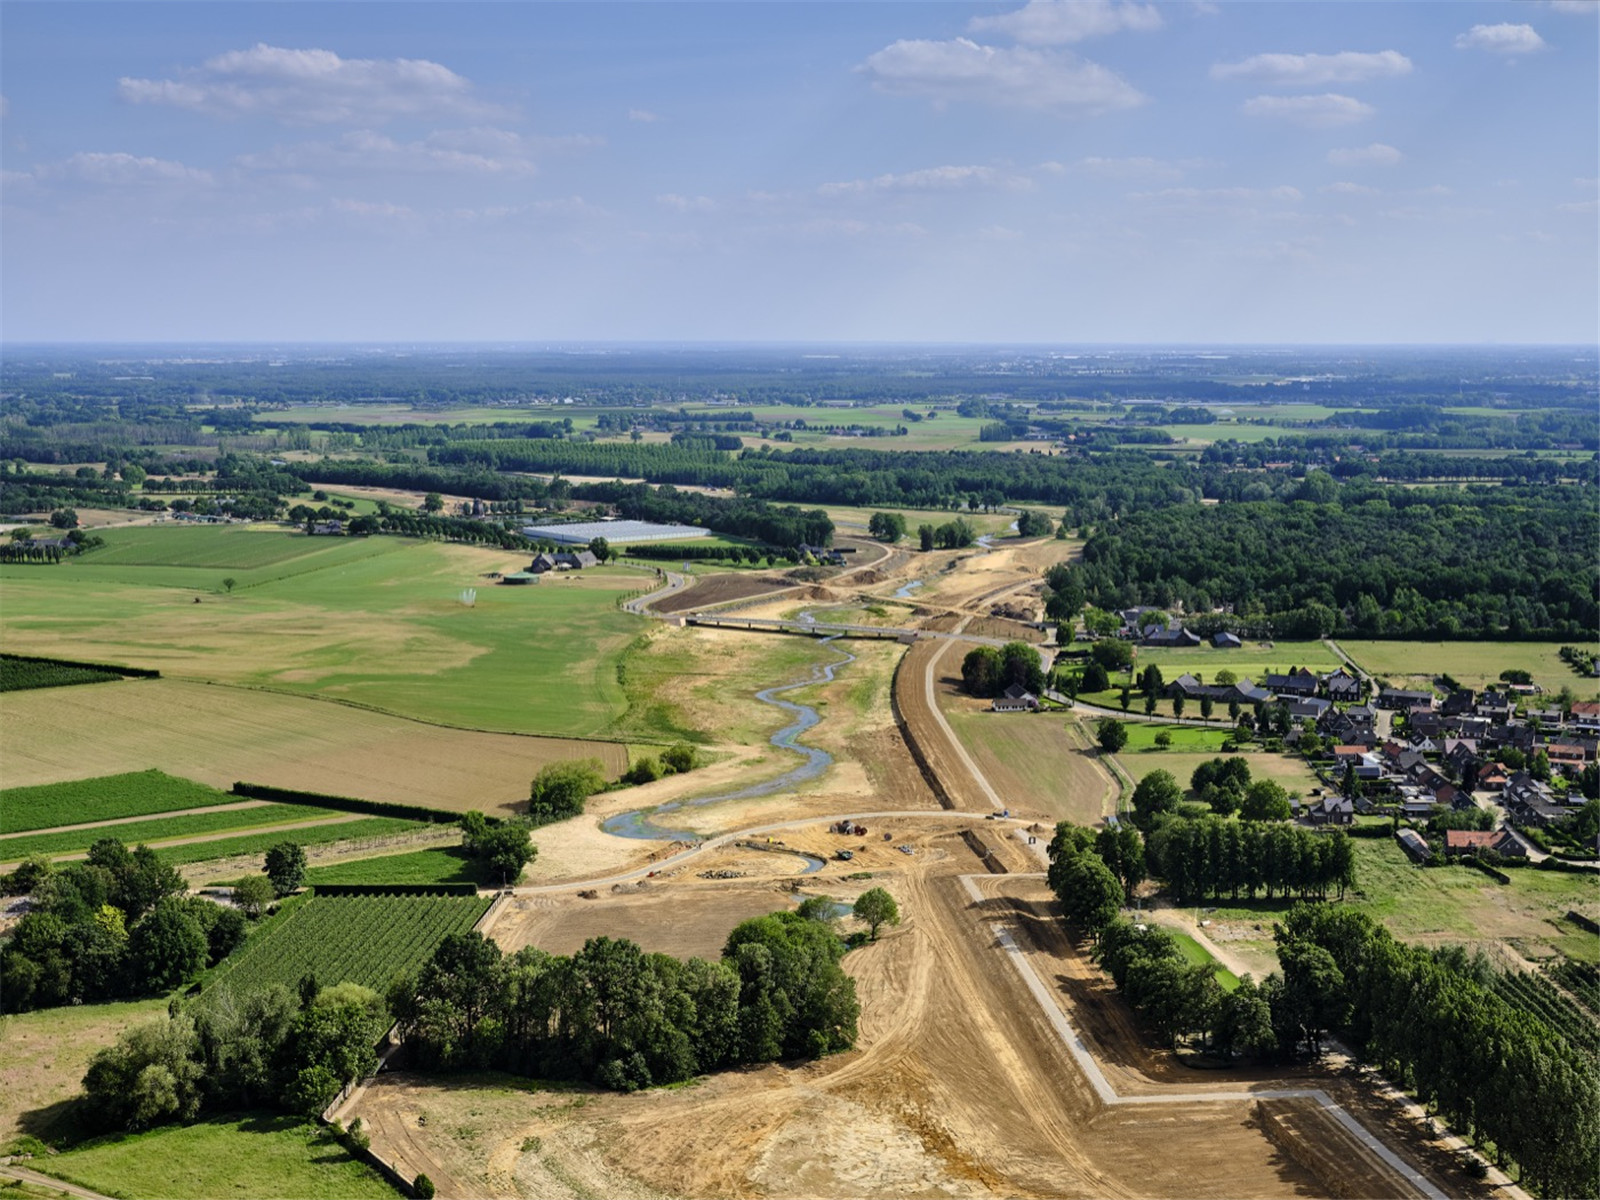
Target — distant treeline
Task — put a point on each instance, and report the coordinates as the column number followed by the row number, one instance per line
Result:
column 1376, row 563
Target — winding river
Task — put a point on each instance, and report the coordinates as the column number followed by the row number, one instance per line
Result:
column 643, row 823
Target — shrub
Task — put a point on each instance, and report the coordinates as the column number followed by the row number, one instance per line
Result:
column 422, row 1187
column 560, row 789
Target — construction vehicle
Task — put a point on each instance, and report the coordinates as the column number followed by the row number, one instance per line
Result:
column 845, row 855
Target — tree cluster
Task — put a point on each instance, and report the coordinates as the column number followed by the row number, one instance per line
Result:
column 1212, row 857
column 266, row 1048
column 613, row 1015
column 988, row 671
column 559, row 790
column 1497, row 1071
column 117, row 924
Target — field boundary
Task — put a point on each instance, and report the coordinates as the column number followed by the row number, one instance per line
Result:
column 114, row 668
column 373, row 808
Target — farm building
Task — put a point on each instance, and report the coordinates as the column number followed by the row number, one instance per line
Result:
column 584, row 532
column 1016, row 699
column 520, row 577
column 1414, row 844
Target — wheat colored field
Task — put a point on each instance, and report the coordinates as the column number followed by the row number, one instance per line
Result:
column 218, row 735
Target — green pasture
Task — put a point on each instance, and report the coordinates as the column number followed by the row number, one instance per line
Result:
column 158, row 829
column 444, row 864
column 1250, row 661
column 1196, row 955
column 1473, row 664
column 1185, row 739
column 375, row 621
column 1438, row 905
column 106, row 798
column 266, row 1156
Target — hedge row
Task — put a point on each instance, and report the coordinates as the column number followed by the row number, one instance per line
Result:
column 114, row 668
column 377, row 808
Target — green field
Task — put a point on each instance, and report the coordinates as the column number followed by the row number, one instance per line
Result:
column 106, row 798
column 1473, row 664
column 445, row 864
column 355, row 939
column 260, row 843
column 1197, row 955
column 376, row 621
column 15, row 848
column 266, row 1157
column 1456, row 904
column 1250, row 661
column 1185, row 739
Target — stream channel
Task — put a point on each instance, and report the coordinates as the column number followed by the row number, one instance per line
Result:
column 642, row 822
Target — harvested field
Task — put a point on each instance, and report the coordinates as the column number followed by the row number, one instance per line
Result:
column 1040, row 764
column 218, row 735
column 721, row 589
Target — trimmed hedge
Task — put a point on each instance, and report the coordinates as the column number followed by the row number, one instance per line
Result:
column 114, row 668
column 377, row 808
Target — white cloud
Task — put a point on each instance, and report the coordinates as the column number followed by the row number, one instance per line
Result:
column 1501, row 39
column 380, row 209
column 1315, row 70
column 1284, row 193
column 644, row 115
column 1577, row 8
column 930, row 179
column 1057, row 22
column 1019, row 77
column 1136, row 168
column 312, row 87
column 685, row 204
column 1344, row 188
column 1579, row 206
column 1375, row 155
column 122, row 169
column 465, row 151
column 1317, row 112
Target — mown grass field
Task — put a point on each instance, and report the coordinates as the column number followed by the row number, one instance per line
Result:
column 105, row 798
column 1252, row 661
column 44, row 1054
column 1441, row 905
column 1473, row 664
column 263, row 1157
column 376, row 621
column 1036, row 762
column 348, row 939
column 1197, row 955
column 161, row 829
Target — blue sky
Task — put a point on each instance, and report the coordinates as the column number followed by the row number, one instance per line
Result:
column 1093, row 171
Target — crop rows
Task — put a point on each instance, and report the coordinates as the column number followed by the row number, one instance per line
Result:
column 20, row 675
column 1535, row 995
column 1582, row 980
column 357, row 939
column 137, row 794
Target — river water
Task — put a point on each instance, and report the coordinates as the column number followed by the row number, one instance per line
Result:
column 645, row 822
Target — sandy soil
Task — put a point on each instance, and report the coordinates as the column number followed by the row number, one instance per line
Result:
column 958, row 1085
column 218, row 735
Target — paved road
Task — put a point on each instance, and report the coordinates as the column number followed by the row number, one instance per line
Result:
column 34, row 1177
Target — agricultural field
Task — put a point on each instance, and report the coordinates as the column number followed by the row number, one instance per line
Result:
column 44, row 1054
column 1251, row 661
column 154, row 832
column 354, row 939
column 438, row 864
column 856, row 520
column 105, row 798
column 1472, row 664
column 268, row 1156
column 1038, row 763
column 21, row 674
column 344, row 829
column 1293, row 774
column 1444, row 905
column 375, row 621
